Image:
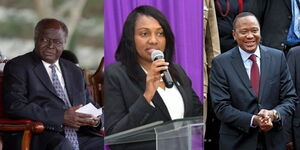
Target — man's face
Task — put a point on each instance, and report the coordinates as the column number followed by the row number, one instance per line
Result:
column 50, row 44
column 247, row 33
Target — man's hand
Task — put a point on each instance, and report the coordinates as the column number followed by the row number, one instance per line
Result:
column 264, row 119
column 95, row 122
column 289, row 146
column 265, row 124
column 267, row 114
column 76, row 120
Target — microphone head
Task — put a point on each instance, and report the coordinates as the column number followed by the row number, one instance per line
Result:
column 157, row 54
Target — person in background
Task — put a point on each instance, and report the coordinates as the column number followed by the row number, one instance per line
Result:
column 42, row 87
column 278, row 19
column 251, row 91
column 293, row 125
column 226, row 11
column 69, row 55
column 211, row 50
column 135, row 94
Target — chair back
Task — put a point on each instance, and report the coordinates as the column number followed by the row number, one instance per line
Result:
column 2, row 63
column 96, row 80
column 1, row 96
column 28, row 127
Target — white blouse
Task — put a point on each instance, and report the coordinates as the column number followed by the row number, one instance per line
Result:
column 172, row 99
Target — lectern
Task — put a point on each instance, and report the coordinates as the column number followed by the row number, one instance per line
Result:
column 180, row 134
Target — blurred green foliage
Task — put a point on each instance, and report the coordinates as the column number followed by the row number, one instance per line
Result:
column 16, row 26
column 89, row 30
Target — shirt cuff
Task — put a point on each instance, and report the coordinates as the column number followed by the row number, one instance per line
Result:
column 151, row 103
column 251, row 122
column 279, row 118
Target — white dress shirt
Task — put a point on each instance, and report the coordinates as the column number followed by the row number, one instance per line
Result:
column 248, row 63
column 59, row 75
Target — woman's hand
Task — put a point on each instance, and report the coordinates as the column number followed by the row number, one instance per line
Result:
column 153, row 77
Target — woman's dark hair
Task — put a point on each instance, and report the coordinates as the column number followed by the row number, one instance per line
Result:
column 126, row 51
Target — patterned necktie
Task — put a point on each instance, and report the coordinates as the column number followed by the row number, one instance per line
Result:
column 70, row 133
column 254, row 76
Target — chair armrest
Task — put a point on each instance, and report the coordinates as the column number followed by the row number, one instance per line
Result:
column 21, row 125
column 27, row 126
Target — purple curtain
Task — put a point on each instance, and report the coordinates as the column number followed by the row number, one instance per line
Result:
column 186, row 20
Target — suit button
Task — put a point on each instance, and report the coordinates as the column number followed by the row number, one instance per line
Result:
column 289, row 17
column 286, row 31
column 282, row 44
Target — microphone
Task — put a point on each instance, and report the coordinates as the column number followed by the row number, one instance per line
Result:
column 157, row 54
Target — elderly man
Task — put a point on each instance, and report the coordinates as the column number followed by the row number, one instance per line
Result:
column 42, row 87
column 251, row 90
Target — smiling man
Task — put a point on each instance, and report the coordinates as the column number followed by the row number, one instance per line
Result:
column 42, row 87
column 251, row 90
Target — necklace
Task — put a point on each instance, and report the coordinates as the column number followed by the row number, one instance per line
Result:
column 220, row 10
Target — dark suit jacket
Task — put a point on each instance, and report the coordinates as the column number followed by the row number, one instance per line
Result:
column 235, row 102
column 294, row 124
column 126, row 107
column 29, row 94
column 275, row 18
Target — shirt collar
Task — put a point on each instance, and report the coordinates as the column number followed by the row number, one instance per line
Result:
column 47, row 65
column 245, row 55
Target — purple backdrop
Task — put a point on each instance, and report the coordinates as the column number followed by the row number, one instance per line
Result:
column 186, row 20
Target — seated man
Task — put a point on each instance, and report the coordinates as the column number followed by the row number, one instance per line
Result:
column 42, row 87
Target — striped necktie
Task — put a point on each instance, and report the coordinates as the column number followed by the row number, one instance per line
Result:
column 70, row 133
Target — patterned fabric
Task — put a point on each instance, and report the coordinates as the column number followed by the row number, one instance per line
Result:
column 254, row 77
column 293, row 36
column 70, row 133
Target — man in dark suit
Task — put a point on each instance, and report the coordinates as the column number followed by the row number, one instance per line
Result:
column 251, row 91
column 293, row 126
column 269, row 12
column 42, row 87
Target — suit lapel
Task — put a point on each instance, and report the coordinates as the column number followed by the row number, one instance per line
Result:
column 239, row 68
column 159, row 103
column 264, row 69
column 41, row 73
column 67, row 79
column 141, row 82
column 139, row 77
column 184, row 96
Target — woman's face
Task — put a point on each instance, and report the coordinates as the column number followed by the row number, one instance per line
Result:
column 148, row 35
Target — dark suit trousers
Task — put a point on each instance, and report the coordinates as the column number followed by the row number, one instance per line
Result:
column 49, row 140
column 261, row 142
column 91, row 142
column 148, row 145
